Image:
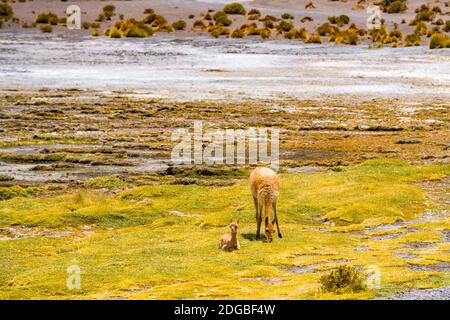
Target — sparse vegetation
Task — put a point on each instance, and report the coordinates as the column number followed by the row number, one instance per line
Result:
column 343, row 279
column 109, row 11
column 6, row 12
column 179, row 25
column 395, row 6
column 412, row 40
column 234, row 8
column 287, row 16
column 315, row 38
column 439, row 41
column 46, row 28
column 221, row 19
column 253, row 14
column 237, row 33
column 340, row 20
column 47, row 18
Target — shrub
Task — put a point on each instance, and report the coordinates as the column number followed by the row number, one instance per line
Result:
column 306, row 19
column 269, row 24
column 285, row 26
column 115, row 33
column 207, row 16
column 100, row 18
column 269, row 17
column 439, row 40
column 109, row 11
column 424, row 14
column 326, row 29
column 234, row 8
column 379, row 34
column 198, row 24
column 95, row 33
column 95, row 25
column 252, row 30
column 6, row 12
column 315, row 38
column 421, row 28
column 217, row 31
column 149, row 10
column 439, row 22
column 343, row 279
column 47, row 18
column 85, row 25
column 166, row 28
column 291, row 34
column 191, row 16
column 341, row 20
column 253, row 14
column 412, row 40
column 154, row 20
column 432, row 31
column 303, row 33
column 447, row 26
column 237, row 33
column 221, row 19
column 309, row 5
column 46, row 28
column 396, row 7
column 287, row 16
column 265, row 33
column 179, row 25
column 345, row 37
column 396, row 34
column 132, row 29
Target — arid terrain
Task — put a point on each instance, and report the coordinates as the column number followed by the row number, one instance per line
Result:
column 87, row 179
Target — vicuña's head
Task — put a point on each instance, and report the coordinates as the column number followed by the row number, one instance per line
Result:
column 269, row 231
column 234, row 225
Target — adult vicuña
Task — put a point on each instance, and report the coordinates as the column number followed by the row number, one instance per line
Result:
column 229, row 242
column 265, row 185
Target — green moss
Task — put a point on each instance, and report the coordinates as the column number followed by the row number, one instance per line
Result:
column 15, row 191
column 105, row 182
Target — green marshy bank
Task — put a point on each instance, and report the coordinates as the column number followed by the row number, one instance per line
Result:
column 133, row 242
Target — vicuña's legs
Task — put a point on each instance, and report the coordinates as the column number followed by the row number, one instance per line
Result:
column 275, row 218
column 258, row 218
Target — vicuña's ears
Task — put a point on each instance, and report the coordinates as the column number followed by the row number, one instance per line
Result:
column 237, row 221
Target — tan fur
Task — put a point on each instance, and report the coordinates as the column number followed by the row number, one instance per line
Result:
column 265, row 186
column 229, row 242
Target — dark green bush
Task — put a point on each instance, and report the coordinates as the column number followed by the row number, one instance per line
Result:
column 47, row 18
column 287, row 16
column 396, row 6
column 6, row 11
column 234, row 8
column 179, row 25
column 109, row 11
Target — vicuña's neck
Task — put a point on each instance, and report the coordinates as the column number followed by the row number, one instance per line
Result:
column 233, row 236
